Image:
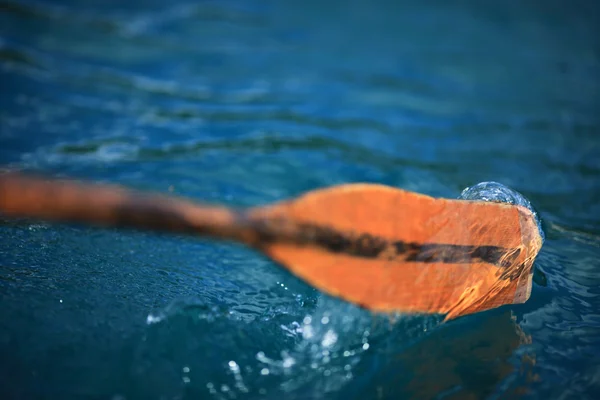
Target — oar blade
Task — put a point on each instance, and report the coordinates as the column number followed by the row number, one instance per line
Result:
column 392, row 250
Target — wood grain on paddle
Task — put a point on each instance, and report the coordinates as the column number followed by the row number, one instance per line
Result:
column 382, row 248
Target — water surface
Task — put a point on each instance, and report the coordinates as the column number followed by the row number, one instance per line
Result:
column 245, row 103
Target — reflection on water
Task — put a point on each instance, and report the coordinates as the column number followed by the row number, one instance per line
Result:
column 245, row 103
column 465, row 360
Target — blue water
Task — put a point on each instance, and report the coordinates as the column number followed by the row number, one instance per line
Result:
column 249, row 102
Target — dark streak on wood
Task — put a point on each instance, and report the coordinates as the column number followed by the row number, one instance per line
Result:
column 365, row 245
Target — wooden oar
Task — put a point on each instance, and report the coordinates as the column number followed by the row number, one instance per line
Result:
column 382, row 248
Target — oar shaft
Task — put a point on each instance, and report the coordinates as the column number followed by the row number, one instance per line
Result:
column 111, row 206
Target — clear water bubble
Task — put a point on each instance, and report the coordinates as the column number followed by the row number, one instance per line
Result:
column 499, row 193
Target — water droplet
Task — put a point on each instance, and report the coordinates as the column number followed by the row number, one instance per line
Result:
column 307, row 332
column 233, row 365
column 264, row 371
column 325, row 320
column 211, row 388
column 366, row 346
column 307, row 320
column 288, row 362
column 151, row 319
column 186, row 369
column 186, row 379
column 329, row 338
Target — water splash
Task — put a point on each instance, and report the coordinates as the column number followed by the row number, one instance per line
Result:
column 498, row 193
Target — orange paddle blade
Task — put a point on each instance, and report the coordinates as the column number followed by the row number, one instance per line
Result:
column 385, row 249
column 391, row 250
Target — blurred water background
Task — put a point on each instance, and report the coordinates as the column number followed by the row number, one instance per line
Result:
column 249, row 102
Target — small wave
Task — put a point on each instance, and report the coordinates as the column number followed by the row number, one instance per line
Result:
column 125, row 148
column 19, row 57
column 102, row 151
